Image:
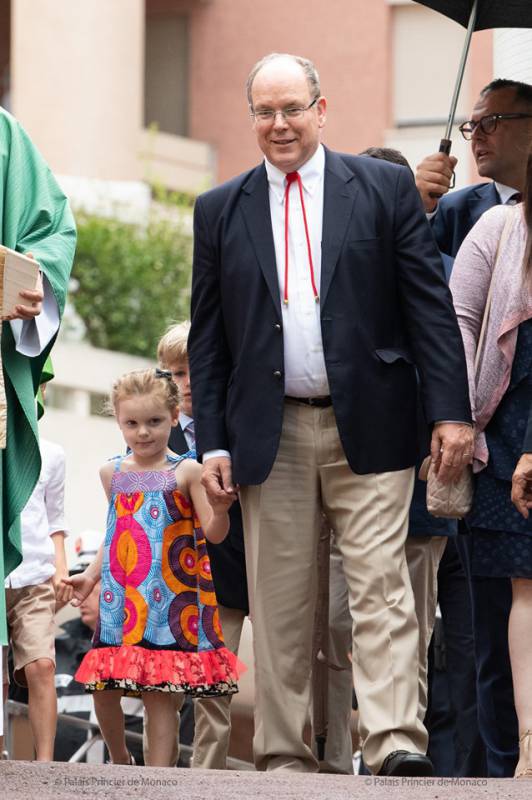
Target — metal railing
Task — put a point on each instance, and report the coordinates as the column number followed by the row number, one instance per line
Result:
column 15, row 709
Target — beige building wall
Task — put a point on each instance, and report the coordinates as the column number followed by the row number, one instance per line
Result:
column 380, row 63
column 77, row 72
column 426, row 50
column 78, row 86
column 347, row 39
column 87, row 76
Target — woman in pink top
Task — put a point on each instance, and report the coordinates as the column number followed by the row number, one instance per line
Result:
column 498, row 251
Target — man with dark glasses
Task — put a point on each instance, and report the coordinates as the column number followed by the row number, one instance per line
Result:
column 500, row 131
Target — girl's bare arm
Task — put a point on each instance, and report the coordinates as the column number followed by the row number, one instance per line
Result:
column 213, row 518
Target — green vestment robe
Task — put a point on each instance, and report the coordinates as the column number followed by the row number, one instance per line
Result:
column 34, row 217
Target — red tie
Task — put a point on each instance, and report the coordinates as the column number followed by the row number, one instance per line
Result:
column 290, row 178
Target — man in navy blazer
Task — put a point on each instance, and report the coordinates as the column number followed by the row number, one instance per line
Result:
column 500, row 131
column 500, row 155
column 317, row 290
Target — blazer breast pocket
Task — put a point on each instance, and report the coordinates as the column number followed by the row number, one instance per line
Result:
column 392, row 354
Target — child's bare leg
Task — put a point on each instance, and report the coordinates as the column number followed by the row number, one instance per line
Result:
column 111, row 721
column 161, row 731
column 42, row 706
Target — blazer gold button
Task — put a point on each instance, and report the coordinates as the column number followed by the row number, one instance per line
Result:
column 277, row 373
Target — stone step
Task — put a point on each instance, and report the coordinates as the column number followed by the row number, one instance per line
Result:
column 20, row 780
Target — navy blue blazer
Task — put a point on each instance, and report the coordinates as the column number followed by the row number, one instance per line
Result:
column 457, row 213
column 228, row 563
column 385, row 310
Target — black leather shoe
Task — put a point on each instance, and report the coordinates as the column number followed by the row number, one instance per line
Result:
column 401, row 762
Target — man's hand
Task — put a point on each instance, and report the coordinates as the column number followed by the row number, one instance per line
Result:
column 217, row 480
column 81, row 586
column 33, row 307
column 451, row 449
column 433, row 176
column 522, row 485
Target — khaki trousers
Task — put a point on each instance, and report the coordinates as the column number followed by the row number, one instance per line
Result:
column 212, row 715
column 423, row 556
column 339, row 745
column 369, row 515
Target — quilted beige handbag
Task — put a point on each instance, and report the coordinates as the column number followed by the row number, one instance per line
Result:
column 454, row 500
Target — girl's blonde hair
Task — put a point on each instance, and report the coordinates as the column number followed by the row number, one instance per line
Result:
column 142, row 382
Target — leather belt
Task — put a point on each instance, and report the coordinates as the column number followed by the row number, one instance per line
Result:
column 319, row 402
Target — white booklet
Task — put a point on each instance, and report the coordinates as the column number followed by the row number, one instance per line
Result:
column 17, row 274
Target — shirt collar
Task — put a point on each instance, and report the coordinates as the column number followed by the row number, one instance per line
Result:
column 310, row 173
column 505, row 192
column 184, row 420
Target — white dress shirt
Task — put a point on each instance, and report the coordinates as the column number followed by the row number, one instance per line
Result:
column 505, row 193
column 305, row 373
column 42, row 516
column 304, row 363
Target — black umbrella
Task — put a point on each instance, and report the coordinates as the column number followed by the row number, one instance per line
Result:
column 478, row 15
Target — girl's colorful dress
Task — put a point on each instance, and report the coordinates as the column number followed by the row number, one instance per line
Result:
column 158, row 627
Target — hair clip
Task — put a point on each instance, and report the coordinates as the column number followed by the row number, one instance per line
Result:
column 163, row 373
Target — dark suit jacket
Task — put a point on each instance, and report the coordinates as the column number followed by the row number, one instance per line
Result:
column 227, row 559
column 456, row 215
column 385, row 309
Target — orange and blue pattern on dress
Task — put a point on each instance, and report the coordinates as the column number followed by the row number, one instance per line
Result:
column 158, row 627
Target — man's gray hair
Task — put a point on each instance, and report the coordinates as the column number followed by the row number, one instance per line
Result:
column 311, row 73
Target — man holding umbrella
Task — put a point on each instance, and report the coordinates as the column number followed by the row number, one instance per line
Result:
column 500, row 131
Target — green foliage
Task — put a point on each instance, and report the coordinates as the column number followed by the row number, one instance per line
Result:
column 130, row 282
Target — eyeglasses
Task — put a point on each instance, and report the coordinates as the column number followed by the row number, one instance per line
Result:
column 486, row 124
column 269, row 115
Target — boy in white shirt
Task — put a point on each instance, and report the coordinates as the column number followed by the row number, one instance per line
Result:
column 32, row 591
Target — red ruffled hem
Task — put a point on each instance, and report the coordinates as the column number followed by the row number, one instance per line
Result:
column 139, row 667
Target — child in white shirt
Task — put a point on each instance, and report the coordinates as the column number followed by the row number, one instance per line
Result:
column 32, row 591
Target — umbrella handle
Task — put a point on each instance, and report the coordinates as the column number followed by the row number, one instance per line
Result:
column 445, row 144
column 445, row 147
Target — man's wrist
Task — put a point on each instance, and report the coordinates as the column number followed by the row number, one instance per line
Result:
column 215, row 454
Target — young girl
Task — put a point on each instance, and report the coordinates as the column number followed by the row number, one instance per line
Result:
column 158, row 629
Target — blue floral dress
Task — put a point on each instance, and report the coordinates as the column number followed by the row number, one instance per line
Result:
column 158, row 627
